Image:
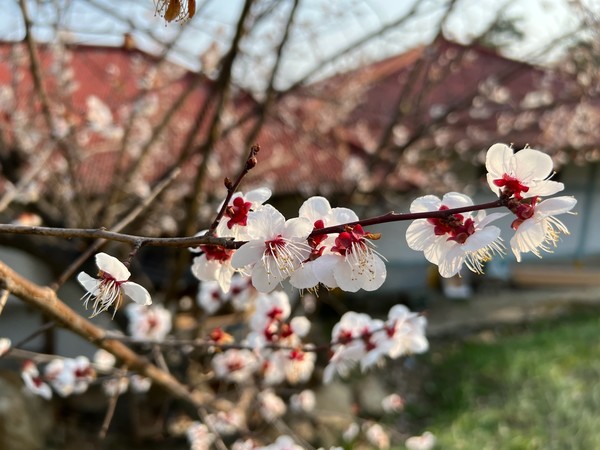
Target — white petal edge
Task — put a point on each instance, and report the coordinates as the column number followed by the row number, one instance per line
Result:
column 114, row 267
column 137, row 293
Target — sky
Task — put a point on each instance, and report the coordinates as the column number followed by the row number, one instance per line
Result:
column 333, row 26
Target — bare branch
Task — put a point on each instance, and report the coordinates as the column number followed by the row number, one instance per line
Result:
column 45, row 300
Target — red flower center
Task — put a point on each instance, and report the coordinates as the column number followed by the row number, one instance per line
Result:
column 455, row 226
column 511, row 186
column 216, row 253
column 238, row 212
column 275, row 246
column 347, row 239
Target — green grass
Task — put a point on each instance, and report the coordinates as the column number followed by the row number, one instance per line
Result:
column 539, row 389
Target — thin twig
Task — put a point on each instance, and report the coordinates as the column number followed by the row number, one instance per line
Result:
column 110, row 411
column 195, row 241
column 41, row 330
column 133, row 214
column 231, row 188
column 3, row 299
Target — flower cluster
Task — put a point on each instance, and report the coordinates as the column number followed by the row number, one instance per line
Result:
column 279, row 354
column 523, row 178
column 66, row 376
column 277, row 249
column 328, row 247
column 520, row 180
column 359, row 339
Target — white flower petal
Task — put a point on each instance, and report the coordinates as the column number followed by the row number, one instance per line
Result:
column 315, row 208
column 203, row 269
column 425, row 203
column 300, row 326
column 323, row 269
column 456, row 200
column 490, row 179
column 497, row 159
column 556, row 205
column 258, row 196
column 263, row 281
column 481, row 239
column 137, row 293
column 347, row 278
column 114, row 267
column 265, row 223
column 90, row 284
column 298, row 228
column 304, row 277
column 435, row 252
column 544, row 189
column 527, row 238
column 532, row 165
column 452, row 261
column 373, row 280
column 484, row 220
column 419, row 235
column 339, row 216
column 248, row 254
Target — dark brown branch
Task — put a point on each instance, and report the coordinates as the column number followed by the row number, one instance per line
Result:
column 195, row 241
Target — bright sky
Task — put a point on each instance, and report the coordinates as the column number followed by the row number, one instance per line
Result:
column 334, row 26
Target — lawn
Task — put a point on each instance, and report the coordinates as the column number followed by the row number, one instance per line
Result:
column 538, row 388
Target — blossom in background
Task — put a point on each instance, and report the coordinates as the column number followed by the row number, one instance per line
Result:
column 351, row 432
column 199, row 436
column 211, row 297
column 115, row 386
column 376, row 435
column 454, row 240
column 140, row 384
column 227, row 423
column 112, row 284
column 271, row 406
column 246, row 444
column 523, row 174
column 69, row 376
column 426, row 441
column 271, row 312
column 104, row 360
column 304, row 401
column 403, row 334
column 536, row 228
column 148, row 323
column 4, row 346
column 282, row 443
column 34, row 382
column 359, row 339
column 235, row 365
column 276, row 247
column 351, row 340
column 392, row 403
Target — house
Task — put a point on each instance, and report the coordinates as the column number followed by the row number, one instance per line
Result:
column 377, row 136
